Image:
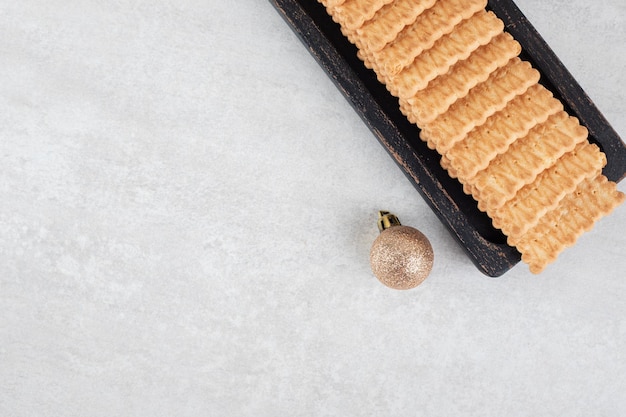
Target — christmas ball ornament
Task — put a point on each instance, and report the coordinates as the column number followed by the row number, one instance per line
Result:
column 401, row 256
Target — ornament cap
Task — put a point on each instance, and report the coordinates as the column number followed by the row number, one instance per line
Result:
column 386, row 220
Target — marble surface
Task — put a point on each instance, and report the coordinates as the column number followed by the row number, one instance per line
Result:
column 187, row 205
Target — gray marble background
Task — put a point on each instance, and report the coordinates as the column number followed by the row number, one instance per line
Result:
column 186, row 209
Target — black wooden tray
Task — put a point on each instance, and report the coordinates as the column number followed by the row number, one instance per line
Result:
column 485, row 245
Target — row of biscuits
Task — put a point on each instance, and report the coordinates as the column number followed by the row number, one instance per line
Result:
column 503, row 135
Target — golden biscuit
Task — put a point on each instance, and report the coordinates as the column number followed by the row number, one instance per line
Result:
column 449, row 49
column 351, row 14
column 421, row 35
column 482, row 101
column 388, row 22
column 330, row 4
column 501, row 129
column 560, row 228
column 443, row 91
column 530, row 203
column 525, row 159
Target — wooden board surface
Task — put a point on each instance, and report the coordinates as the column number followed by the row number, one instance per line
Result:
column 485, row 245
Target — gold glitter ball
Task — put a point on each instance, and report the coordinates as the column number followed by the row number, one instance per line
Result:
column 401, row 257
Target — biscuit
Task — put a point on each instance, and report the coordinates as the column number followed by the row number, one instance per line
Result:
column 449, row 49
column 525, row 159
column 388, row 22
column 421, row 35
column 444, row 90
column 351, row 14
column 482, row 101
column 330, row 4
column 530, row 203
column 575, row 214
column 501, row 129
